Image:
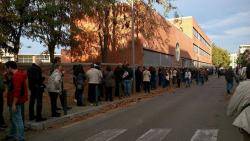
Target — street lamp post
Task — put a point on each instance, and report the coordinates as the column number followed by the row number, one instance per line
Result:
column 133, row 44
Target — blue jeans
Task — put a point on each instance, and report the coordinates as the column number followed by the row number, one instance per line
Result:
column 79, row 97
column 229, row 87
column 17, row 128
column 127, row 87
column 164, row 83
column 188, row 82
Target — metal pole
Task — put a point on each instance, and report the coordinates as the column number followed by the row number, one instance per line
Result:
column 133, row 45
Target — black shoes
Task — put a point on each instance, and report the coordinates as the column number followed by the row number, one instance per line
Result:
column 56, row 115
column 40, row 119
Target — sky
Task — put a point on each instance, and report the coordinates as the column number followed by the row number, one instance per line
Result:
column 226, row 22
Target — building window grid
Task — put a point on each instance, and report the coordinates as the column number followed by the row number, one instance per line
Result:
column 43, row 58
column 199, row 37
column 201, row 52
column 195, row 48
column 25, row 59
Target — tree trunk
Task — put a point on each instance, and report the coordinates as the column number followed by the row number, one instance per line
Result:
column 106, row 34
column 114, row 38
column 16, row 49
column 51, row 48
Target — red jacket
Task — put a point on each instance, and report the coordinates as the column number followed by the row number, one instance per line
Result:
column 19, row 88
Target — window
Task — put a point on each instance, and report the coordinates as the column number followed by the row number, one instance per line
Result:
column 43, row 58
column 25, row 59
column 199, row 37
column 195, row 48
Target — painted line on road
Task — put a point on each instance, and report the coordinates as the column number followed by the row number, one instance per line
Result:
column 154, row 135
column 205, row 135
column 107, row 135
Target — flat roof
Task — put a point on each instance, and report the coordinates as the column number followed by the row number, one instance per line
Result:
column 37, row 54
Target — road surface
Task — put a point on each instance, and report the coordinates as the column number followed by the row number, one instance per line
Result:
column 191, row 114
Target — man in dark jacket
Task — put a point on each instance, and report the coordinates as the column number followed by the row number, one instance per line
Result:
column 229, row 76
column 127, row 79
column 36, row 88
column 138, row 78
column 118, row 81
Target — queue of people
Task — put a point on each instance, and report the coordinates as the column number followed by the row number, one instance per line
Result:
column 103, row 84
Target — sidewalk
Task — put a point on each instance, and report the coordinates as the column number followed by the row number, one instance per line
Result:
column 78, row 113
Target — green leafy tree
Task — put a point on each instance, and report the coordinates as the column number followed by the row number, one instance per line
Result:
column 220, row 57
column 14, row 18
column 54, row 25
column 243, row 58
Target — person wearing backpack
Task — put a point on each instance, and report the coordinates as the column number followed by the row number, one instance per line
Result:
column 36, row 87
column 17, row 97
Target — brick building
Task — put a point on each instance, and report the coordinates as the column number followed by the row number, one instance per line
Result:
column 158, row 42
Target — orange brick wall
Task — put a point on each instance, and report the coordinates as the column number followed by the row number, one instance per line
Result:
column 164, row 38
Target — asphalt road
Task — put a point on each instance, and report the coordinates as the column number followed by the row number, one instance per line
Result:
column 191, row 114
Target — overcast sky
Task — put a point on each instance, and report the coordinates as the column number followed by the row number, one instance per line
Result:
column 226, row 22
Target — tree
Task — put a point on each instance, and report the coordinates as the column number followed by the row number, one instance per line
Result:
column 243, row 58
column 113, row 17
column 15, row 16
column 220, row 57
column 54, row 23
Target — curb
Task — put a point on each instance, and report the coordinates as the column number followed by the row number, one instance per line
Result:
column 32, row 125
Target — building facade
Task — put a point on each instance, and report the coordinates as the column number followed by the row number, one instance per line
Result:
column 233, row 60
column 27, row 58
column 243, row 48
column 158, row 42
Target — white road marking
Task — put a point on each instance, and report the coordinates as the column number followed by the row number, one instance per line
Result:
column 154, row 135
column 205, row 135
column 107, row 135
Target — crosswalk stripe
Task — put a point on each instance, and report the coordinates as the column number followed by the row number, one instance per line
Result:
column 154, row 135
column 107, row 135
column 205, row 135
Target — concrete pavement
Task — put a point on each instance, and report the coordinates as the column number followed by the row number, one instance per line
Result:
column 191, row 114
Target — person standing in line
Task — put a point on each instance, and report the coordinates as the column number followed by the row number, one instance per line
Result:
column 186, row 77
column 80, row 79
column 75, row 73
column 57, row 61
column 36, row 87
column 229, row 76
column 189, row 78
column 178, row 77
column 55, row 89
column 94, row 77
column 174, row 76
column 127, row 80
column 197, row 76
column 109, row 83
column 202, row 76
column 17, row 97
column 118, row 72
column 164, row 81
column 138, row 78
column 167, row 77
column 160, row 76
column 2, row 91
column 146, row 80
column 100, row 91
column 153, row 77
